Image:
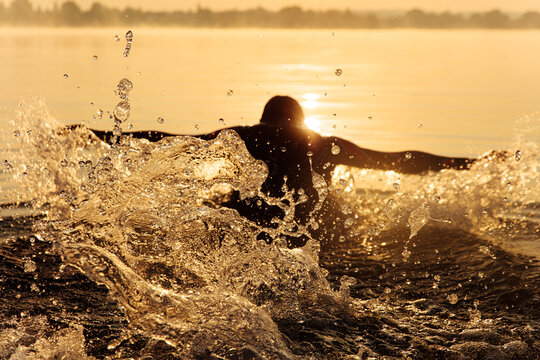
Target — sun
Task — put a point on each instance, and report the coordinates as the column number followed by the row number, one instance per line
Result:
column 313, row 123
column 310, row 102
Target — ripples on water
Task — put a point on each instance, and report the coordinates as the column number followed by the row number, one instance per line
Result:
column 128, row 254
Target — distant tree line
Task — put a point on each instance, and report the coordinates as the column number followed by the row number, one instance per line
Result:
column 22, row 13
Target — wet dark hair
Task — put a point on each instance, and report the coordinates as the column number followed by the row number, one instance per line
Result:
column 283, row 111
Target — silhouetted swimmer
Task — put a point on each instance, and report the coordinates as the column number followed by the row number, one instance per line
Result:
column 291, row 151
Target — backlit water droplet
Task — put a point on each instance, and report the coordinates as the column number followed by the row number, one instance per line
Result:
column 122, row 111
column 64, row 163
column 129, row 40
column 518, row 155
column 408, row 155
column 99, row 113
column 17, row 133
column 95, row 57
column 335, row 150
column 160, row 120
column 418, row 218
column 117, row 37
column 221, row 121
column 229, row 92
column 123, row 88
column 339, row 72
column 406, row 254
column 66, row 76
column 8, row 166
column 420, row 126
column 396, row 185
column 29, row 266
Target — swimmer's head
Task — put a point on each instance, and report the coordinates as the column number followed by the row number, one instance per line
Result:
column 283, row 111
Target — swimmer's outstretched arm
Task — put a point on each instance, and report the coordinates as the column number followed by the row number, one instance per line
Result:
column 407, row 162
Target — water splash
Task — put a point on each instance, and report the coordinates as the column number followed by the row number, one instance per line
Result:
column 147, row 221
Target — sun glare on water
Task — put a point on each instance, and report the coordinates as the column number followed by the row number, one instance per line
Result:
column 310, row 103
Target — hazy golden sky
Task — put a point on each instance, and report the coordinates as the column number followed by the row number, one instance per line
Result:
column 435, row 5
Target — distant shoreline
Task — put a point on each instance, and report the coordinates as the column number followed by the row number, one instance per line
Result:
column 125, row 27
column 20, row 13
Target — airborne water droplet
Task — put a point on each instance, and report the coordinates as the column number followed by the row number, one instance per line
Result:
column 99, row 113
column 29, row 266
column 122, row 111
column 417, row 219
column 8, row 166
column 123, row 88
column 396, row 185
column 64, row 163
column 309, row 153
column 518, row 155
column 335, row 150
column 221, row 121
column 420, row 126
column 66, row 76
column 160, row 120
column 229, row 92
column 95, row 57
column 129, row 39
column 406, row 254
column 117, row 37
column 408, row 155
column 339, row 72
column 17, row 133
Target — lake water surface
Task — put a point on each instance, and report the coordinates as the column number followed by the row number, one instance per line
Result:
column 128, row 250
column 451, row 92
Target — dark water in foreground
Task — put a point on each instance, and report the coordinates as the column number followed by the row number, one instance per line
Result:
column 131, row 256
